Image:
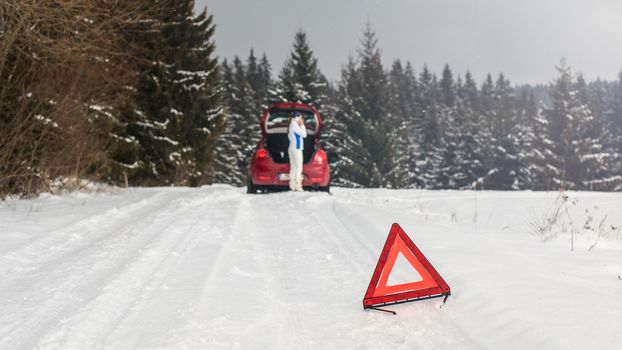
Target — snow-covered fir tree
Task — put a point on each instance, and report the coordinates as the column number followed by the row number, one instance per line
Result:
column 142, row 33
column 176, row 115
column 448, row 89
column 528, row 134
column 367, row 92
column 469, row 126
column 414, row 132
column 242, row 131
column 596, row 158
column 573, row 158
column 230, row 146
column 149, row 118
column 402, row 119
column 432, row 137
column 597, row 98
column 195, row 101
column 259, row 78
column 450, row 131
column 612, row 135
column 502, row 159
column 300, row 79
column 347, row 153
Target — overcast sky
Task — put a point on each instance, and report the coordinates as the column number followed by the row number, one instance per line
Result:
column 525, row 39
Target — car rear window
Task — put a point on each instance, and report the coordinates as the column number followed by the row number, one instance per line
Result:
column 276, row 122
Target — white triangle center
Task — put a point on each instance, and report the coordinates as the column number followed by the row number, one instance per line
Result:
column 403, row 272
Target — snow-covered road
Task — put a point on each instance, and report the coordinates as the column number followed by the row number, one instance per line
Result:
column 218, row 269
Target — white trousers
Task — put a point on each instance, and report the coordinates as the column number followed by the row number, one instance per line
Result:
column 295, row 169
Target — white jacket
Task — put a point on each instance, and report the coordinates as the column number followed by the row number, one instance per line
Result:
column 296, row 135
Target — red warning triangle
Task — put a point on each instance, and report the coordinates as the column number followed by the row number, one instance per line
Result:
column 430, row 285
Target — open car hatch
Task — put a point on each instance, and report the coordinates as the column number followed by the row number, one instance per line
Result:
column 274, row 120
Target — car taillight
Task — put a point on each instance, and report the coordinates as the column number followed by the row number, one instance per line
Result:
column 320, row 157
column 261, row 154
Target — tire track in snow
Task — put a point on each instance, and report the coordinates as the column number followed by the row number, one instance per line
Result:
column 290, row 229
column 126, row 294
column 77, row 281
column 71, row 239
column 50, row 294
column 59, row 292
column 235, row 278
column 175, row 292
column 251, row 297
column 287, row 278
column 335, row 226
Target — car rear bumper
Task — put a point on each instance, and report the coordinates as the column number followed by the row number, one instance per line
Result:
column 314, row 174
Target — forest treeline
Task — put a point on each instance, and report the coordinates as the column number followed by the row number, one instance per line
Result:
column 132, row 93
column 125, row 92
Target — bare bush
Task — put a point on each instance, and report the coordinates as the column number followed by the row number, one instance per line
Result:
column 64, row 72
column 559, row 216
column 542, row 225
column 600, row 232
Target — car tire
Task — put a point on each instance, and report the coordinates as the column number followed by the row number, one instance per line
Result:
column 250, row 186
column 325, row 189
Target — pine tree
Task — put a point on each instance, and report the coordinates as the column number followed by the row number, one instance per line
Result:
column 245, row 95
column 469, row 161
column 370, row 101
column 581, row 90
column 414, row 133
column 252, row 71
column 195, row 100
column 612, row 126
column 529, row 134
column 451, row 128
column 148, row 115
column 596, row 157
column 471, row 93
column 177, row 113
column 141, row 34
column 247, row 106
column 573, row 157
column 265, row 72
column 401, row 94
column 487, row 103
column 432, row 143
column 244, row 104
column 447, row 158
column 402, row 87
column 300, row 78
column 460, row 163
column 348, row 156
column 230, row 150
column 503, row 156
column 448, row 90
column 597, row 95
column 259, row 78
column 242, row 132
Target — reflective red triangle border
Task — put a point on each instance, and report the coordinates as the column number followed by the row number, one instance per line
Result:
column 431, row 289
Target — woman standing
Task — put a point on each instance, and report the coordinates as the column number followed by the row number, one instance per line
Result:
column 297, row 133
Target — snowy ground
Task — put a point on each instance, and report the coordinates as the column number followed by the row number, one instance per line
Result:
column 216, row 268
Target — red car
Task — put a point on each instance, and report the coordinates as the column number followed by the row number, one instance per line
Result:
column 269, row 165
